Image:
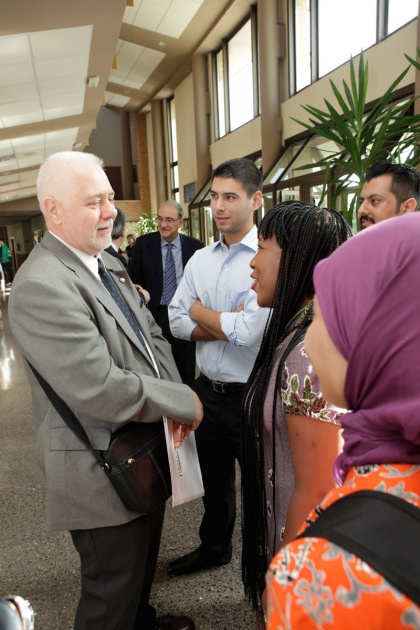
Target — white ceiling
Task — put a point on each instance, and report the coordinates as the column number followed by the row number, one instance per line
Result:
column 139, row 52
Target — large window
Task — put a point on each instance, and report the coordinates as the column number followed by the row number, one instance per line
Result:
column 325, row 35
column 235, row 79
column 173, row 150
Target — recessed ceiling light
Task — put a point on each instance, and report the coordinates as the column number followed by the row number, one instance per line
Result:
column 93, row 81
column 162, row 44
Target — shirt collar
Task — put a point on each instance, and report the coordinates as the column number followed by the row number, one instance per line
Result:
column 250, row 240
column 89, row 261
column 176, row 242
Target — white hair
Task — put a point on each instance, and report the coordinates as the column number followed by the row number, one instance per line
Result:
column 56, row 176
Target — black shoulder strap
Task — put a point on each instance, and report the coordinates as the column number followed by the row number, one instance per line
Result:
column 65, row 412
column 381, row 529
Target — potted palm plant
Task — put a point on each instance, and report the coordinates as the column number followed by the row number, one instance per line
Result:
column 388, row 130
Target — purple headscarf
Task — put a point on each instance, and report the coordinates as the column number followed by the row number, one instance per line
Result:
column 369, row 294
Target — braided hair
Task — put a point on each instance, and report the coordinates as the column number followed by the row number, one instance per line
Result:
column 305, row 234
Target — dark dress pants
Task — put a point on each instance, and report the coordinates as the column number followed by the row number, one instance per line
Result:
column 7, row 269
column 117, row 568
column 218, row 441
column 183, row 351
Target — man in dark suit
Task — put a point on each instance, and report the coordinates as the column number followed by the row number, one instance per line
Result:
column 117, row 237
column 149, row 269
column 110, row 369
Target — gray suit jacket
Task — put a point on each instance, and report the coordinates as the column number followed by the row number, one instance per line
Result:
column 74, row 334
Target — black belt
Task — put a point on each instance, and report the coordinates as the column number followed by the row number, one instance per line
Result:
column 223, row 388
column 163, row 306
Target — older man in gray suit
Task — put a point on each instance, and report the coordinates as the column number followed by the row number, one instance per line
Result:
column 75, row 335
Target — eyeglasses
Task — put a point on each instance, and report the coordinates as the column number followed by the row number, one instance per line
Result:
column 168, row 220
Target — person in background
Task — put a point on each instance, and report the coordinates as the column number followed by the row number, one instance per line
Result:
column 129, row 250
column 109, row 362
column 117, row 237
column 158, row 264
column 390, row 190
column 215, row 306
column 364, row 344
column 6, row 261
column 2, row 279
column 290, row 433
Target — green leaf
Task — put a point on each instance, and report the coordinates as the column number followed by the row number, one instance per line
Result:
column 384, row 132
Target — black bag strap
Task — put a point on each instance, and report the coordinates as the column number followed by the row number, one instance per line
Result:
column 381, row 529
column 66, row 413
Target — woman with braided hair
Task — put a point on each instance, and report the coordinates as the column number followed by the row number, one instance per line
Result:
column 290, row 434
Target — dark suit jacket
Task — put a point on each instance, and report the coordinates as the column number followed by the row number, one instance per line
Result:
column 118, row 255
column 147, row 269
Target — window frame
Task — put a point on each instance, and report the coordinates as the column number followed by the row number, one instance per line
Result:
column 173, row 163
column 381, row 34
column 223, row 49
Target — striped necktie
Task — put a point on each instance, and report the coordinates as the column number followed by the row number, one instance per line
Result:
column 115, row 293
column 169, row 280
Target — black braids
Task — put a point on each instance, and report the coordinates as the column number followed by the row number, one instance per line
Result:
column 305, row 234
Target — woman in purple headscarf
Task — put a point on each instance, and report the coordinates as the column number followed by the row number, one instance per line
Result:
column 364, row 344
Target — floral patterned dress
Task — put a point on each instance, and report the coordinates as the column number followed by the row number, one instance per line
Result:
column 299, row 395
column 313, row 583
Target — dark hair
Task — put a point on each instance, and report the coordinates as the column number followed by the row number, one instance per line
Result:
column 244, row 171
column 405, row 179
column 119, row 224
column 305, row 234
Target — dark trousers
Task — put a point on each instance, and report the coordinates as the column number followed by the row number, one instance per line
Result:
column 117, row 568
column 218, row 441
column 7, row 268
column 183, row 351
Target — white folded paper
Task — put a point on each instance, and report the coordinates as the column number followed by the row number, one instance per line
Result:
column 187, row 483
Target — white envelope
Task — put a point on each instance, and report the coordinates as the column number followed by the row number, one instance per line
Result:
column 187, row 483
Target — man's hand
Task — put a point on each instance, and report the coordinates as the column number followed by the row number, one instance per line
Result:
column 146, row 294
column 182, row 431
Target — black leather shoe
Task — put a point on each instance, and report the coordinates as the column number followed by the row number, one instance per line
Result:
column 192, row 562
column 174, row 622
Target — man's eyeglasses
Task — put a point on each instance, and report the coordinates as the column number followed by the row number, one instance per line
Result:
column 168, row 220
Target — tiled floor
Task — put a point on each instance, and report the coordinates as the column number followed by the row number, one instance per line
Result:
column 44, row 567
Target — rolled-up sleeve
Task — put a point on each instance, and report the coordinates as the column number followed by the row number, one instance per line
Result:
column 246, row 327
column 180, row 321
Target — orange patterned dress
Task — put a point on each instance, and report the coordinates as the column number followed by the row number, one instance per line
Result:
column 313, row 584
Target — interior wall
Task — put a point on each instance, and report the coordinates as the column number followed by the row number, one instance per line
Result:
column 106, row 140
column 185, row 132
column 241, row 142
